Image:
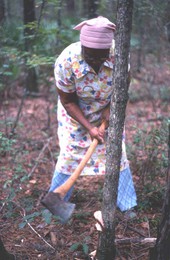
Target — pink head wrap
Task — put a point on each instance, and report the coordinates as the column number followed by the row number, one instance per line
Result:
column 96, row 33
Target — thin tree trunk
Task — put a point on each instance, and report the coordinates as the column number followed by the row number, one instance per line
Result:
column 89, row 8
column 141, row 35
column 161, row 250
column 106, row 245
column 29, row 16
column 2, row 11
column 167, row 26
column 4, row 255
column 92, row 8
column 70, row 5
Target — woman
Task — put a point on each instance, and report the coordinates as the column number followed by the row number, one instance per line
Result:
column 84, row 76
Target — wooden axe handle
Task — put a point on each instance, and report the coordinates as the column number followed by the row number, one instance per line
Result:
column 64, row 188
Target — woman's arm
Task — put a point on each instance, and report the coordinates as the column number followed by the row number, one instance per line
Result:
column 70, row 103
column 106, row 114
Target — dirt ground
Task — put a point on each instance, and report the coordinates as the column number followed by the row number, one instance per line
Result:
column 27, row 229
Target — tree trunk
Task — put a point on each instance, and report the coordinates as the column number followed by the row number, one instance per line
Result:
column 70, row 6
column 167, row 26
column 89, row 8
column 2, row 11
column 59, row 22
column 92, row 8
column 4, row 255
column 106, row 245
column 140, row 35
column 29, row 17
column 161, row 250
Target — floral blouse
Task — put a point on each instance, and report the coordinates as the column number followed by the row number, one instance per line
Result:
column 94, row 92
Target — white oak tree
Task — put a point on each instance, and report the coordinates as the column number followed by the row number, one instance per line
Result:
column 106, row 245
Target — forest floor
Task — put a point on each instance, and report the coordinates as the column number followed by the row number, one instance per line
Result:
column 28, row 159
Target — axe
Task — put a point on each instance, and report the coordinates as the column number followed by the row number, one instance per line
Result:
column 53, row 200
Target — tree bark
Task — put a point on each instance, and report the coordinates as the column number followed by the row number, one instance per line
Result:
column 167, row 26
column 89, row 8
column 140, row 36
column 4, row 254
column 2, row 11
column 29, row 17
column 70, row 6
column 147, row 241
column 161, row 250
column 92, row 8
column 106, row 245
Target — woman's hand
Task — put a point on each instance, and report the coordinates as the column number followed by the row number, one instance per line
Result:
column 70, row 103
column 98, row 133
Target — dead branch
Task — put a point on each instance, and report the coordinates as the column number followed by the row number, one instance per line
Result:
column 23, row 214
column 19, row 111
column 131, row 228
column 41, row 13
column 39, row 156
column 149, row 241
column 168, row 170
column 5, row 118
column 53, row 162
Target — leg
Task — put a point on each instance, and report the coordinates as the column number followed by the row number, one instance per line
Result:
column 57, row 180
column 126, row 192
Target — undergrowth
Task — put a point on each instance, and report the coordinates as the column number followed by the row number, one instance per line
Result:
column 148, row 154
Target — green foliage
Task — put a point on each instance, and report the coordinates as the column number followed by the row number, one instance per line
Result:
column 10, row 62
column 165, row 93
column 10, row 210
column 80, row 247
column 149, row 148
column 82, row 216
column 6, row 144
column 45, row 44
column 134, row 42
column 75, row 246
column 28, row 218
column 154, row 222
column 38, row 60
column 148, row 21
column 47, row 216
column 151, row 197
column 149, row 151
column 149, row 157
column 12, row 34
column 145, row 89
column 26, row 203
column 53, row 33
column 10, row 57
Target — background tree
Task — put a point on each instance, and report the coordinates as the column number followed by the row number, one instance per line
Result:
column 167, row 20
column 20, row 153
column 2, row 11
column 162, row 248
column 29, row 33
column 92, row 8
column 106, row 249
column 70, row 5
column 4, row 254
column 150, row 26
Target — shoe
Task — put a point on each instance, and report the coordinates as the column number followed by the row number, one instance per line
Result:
column 130, row 214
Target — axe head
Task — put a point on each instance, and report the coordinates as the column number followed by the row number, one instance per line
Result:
column 58, row 207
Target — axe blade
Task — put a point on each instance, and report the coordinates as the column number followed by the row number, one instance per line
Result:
column 58, row 207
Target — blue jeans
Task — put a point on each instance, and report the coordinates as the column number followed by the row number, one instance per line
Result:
column 57, row 180
column 126, row 198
